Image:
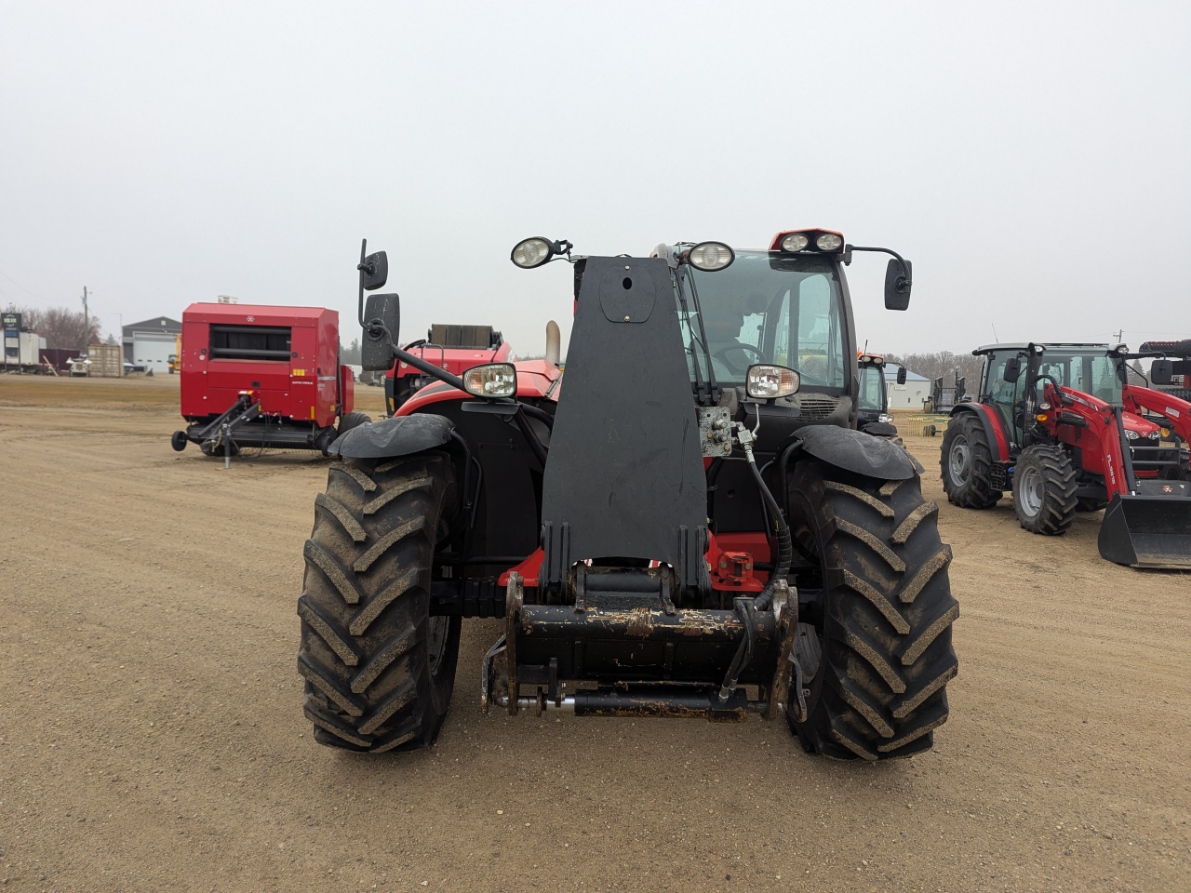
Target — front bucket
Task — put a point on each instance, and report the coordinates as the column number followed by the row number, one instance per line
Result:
column 1148, row 531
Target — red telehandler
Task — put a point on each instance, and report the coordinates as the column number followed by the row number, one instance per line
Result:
column 1072, row 435
column 690, row 526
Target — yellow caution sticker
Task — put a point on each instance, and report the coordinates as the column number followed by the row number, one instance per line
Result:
column 299, row 372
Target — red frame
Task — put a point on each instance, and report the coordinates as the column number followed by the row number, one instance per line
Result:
column 1176, row 412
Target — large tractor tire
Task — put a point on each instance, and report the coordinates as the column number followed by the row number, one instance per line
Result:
column 378, row 668
column 1044, row 490
column 966, row 464
column 875, row 651
column 347, row 421
column 350, row 420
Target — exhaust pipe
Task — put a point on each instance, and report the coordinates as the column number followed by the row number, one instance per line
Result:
column 553, row 343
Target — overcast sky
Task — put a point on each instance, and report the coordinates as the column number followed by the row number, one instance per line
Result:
column 1032, row 159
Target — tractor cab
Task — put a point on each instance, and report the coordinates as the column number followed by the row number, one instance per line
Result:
column 1015, row 375
column 772, row 330
column 873, row 400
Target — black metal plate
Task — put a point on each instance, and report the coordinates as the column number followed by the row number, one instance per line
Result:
column 625, row 471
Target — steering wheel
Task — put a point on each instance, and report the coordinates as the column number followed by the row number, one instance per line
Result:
column 813, row 369
column 722, row 355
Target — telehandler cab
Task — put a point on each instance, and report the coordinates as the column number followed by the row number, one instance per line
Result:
column 689, row 526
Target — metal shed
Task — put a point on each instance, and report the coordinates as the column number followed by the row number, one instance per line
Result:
column 150, row 342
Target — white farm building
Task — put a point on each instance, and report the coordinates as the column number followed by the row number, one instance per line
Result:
column 911, row 395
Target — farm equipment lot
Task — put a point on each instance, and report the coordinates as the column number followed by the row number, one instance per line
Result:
column 150, row 736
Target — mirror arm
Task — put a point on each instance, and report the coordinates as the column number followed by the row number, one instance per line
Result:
column 905, row 282
column 362, row 268
column 426, row 366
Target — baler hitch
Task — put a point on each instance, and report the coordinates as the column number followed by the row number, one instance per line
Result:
column 218, row 433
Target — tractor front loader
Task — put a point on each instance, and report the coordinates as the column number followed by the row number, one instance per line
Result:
column 1068, row 436
column 689, row 526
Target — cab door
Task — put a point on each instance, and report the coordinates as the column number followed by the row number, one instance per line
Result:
column 1004, row 396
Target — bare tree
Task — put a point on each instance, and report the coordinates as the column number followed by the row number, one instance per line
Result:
column 58, row 326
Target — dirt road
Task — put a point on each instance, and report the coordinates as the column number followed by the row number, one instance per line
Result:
column 152, row 738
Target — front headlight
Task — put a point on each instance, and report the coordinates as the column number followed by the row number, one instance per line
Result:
column 491, row 380
column 764, row 382
column 829, row 242
column 885, row 418
column 1130, row 435
column 530, row 253
column 711, row 256
column 795, row 242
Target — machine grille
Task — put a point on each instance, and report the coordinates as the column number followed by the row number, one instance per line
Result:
column 817, row 406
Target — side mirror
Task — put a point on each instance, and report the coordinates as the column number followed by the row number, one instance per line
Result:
column 897, row 285
column 376, row 348
column 374, row 271
column 901, row 374
column 1162, row 371
column 1012, row 370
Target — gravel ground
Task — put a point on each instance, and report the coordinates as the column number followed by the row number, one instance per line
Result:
column 152, row 738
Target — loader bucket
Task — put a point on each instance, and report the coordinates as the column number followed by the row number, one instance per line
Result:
column 1149, row 531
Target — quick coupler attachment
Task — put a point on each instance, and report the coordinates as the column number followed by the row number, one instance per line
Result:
column 696, row 704
column 643, row 661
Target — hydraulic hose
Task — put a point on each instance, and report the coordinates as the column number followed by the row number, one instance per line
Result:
column 747, row 612
column 785, row 543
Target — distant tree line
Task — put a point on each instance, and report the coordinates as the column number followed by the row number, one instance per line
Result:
column 61, row 328
column 943, row 364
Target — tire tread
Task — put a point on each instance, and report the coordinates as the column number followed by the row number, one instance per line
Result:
column 364, row 608
column 887, row 651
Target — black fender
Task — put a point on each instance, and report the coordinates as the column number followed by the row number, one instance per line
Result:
column 994, row 429
column 392, row 437
column 879, row 429
column 858, row 452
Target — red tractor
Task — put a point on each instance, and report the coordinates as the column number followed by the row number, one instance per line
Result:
column 1072, row 435
column 689, row 526
column 263, row 376
column 453, row 348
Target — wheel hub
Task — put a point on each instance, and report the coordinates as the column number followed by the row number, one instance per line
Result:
column 960, row 460
column 1030, row 492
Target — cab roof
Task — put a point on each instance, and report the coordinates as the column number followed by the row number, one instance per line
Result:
column 989, row 348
